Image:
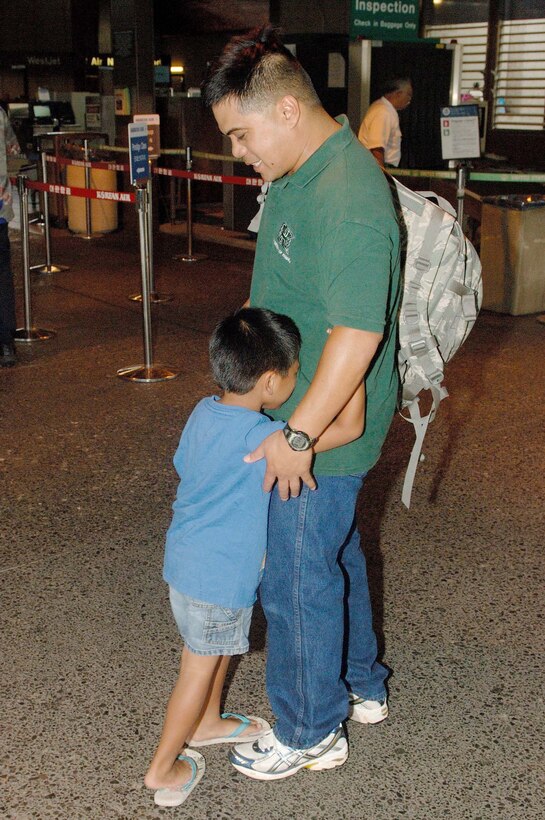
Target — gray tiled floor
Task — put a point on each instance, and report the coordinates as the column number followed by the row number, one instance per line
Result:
column 88, row 647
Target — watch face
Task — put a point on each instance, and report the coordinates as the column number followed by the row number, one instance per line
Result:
column 297, row 439
column 299, row 442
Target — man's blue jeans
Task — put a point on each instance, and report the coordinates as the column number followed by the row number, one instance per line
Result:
column 316, row 600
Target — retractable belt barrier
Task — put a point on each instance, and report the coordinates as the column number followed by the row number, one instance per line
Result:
column 142, row 197
column 84, row 163
column 187, row 174
column 167, row 172
column 222, row 178
column 148, row 372
column 86, row 193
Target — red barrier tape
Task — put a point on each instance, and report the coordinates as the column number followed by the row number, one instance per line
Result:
column 167, row 172
column 172, row 172
column 86, row 193
column 82, row 163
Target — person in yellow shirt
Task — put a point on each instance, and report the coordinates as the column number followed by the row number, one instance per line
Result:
column 379, row 130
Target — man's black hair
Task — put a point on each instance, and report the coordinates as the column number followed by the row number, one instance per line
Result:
column 256, row 70
column 393, row 84
column 250, row 342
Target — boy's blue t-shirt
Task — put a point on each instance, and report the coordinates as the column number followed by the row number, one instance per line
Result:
column 216, row 542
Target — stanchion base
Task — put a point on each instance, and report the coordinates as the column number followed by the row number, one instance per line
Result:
column 49, row 268
column 194, row 257
column 141, row 373
column 33, row 334
column 156, row 297
column 89, row 235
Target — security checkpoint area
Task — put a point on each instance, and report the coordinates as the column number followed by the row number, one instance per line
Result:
column 90, row 487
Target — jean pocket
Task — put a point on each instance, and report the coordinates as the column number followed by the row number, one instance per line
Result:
column 221, row 627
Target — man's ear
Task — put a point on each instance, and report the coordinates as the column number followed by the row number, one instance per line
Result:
column 289, row 109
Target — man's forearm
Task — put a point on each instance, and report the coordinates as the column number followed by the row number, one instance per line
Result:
column 378, row 154
column 345, row 359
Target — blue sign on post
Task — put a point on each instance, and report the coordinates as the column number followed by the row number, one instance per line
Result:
column 460, row 137
column 138, row 151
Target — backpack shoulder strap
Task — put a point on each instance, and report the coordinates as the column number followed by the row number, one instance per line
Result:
column 420, row 424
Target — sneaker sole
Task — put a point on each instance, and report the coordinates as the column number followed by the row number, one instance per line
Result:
column 316, row 766
column 371, row 718
column 322, row 765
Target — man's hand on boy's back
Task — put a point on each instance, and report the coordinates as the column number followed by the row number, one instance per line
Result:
column 284, row 465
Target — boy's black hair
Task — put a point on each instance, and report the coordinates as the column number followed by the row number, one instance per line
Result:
column 250, row 342
column 256, row 70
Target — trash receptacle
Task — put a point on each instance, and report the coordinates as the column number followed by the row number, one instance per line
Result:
column 103, row 211
column 513, row 253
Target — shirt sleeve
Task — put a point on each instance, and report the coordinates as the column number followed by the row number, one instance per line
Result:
column 12, row 146
column 377, row 128
column 357, row 277
column 261, row 430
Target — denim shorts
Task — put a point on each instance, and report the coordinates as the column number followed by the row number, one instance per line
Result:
column 209, row 629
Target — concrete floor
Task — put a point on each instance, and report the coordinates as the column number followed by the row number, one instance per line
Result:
column 89, row 650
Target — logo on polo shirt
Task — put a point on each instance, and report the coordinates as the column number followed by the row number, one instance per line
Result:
column 283, row 241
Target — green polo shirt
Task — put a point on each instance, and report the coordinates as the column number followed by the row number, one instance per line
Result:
column 328, row 253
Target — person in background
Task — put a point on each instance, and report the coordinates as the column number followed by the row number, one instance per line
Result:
column 328, row 255
column 379, row 130
column 8, row 145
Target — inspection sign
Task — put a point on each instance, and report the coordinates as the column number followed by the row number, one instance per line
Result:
column 460, row 132
column 138, row 151
column 384, row 19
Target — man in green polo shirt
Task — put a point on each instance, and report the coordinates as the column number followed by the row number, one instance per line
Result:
column 328, row 255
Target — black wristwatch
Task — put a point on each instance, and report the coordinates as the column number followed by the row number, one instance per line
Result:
column 298, row 440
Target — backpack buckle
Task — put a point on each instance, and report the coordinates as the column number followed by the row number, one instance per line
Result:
column 422, row 264
column 411, row 315
column 418, row 348
column 435, row 377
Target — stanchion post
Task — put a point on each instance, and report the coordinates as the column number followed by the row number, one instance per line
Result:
column 154, row 296
column 148, row 372
column 149, row 186
column 88, row 223
column 28, row 333
column 172, row 194
column 48, row 267
column 190, row 256
column 39, row 219
column 461, row 178
column 88, row 213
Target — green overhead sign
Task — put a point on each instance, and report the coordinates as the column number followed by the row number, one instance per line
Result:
column 384, row 19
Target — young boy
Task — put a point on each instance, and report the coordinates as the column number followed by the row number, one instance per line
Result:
column 215, row 546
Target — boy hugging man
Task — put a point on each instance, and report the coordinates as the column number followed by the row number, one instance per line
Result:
column 215, row 545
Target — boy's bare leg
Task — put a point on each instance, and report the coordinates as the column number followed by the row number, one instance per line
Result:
column 210, row 723
column 186, row 703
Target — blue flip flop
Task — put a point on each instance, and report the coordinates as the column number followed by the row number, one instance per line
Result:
column 179, row 794
column 234, row 737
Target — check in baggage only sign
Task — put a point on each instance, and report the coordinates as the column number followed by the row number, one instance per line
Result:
column 460, row 132
column 138, row 151
column 384, row 19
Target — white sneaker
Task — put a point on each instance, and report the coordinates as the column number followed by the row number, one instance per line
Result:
column 268, row 759
column 366, row 711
